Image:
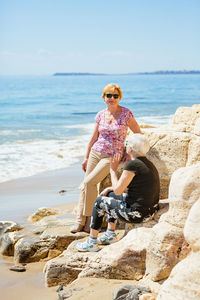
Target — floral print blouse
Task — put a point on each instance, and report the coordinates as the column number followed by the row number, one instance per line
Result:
column 112, row 136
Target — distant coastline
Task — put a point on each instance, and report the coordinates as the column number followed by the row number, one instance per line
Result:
column 130, row 74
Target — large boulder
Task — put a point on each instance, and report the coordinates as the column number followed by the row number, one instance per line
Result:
column 197, row 127
column 65, row 268
column 164, row 146
column 193, row 150
column 122, row 260
column 10, row 233
column 41, row 213
column 8, row 241
column 51, row 243
column 168, row 245
column 184, row 280
column 187, row 117
column 9, row 226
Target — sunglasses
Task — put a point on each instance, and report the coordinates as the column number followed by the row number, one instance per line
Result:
column 115, row 96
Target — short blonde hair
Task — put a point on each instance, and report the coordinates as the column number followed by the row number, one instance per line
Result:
column 139, row 144
column 110, row 88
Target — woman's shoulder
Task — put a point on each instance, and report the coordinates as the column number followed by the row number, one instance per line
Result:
column 126, row 113
column 99, row 114
column 101, row 111
column 125, row 109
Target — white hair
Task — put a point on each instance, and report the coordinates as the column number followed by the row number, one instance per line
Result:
column 139, row 143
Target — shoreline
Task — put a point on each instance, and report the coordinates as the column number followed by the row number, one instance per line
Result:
column 21, row 197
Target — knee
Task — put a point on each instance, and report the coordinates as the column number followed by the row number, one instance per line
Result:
column 89, row 181
column 98, row 201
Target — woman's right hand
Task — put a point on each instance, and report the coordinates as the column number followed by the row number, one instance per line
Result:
column 84, row 164
column 106, row 191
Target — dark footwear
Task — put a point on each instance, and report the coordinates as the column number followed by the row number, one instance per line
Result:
column 76, row 228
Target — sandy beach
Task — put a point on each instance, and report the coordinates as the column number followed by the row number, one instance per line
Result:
column 20, row 198
column 30, row 285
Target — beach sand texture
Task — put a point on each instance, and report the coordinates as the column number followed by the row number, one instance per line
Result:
column 20, row 198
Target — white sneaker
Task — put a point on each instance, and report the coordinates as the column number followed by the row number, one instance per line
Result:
column 107, row 239
column 87, row 247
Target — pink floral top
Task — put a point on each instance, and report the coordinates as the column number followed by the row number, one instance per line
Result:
column 112, row 136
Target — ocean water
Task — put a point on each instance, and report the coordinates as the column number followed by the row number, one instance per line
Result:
column 46, row 122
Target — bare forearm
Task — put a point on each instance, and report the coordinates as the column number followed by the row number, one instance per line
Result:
column 93, row 139
column 114, row 179
column 88, row 150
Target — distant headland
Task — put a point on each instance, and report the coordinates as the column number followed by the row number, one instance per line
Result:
column 167, row 72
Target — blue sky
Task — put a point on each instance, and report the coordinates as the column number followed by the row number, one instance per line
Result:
column 41, row 37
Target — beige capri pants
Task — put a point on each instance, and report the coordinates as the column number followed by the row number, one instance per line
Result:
column 98, row 167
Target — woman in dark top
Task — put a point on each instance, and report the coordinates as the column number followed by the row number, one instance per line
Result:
column 131, row 198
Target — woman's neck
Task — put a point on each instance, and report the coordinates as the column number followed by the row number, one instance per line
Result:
column 113, row 110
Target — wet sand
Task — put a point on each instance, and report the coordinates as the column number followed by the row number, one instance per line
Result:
column 20, row 198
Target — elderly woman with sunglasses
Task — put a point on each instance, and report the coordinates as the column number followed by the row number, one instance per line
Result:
column 107, row 139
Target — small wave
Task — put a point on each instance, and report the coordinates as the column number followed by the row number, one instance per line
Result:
column 88, row 126
column 84, row 113
column 17, row 132
column 27, row 158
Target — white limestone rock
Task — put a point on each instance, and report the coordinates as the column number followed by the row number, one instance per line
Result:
column 187, row 115
column 184, row 280
column 167, row 246
column 41, row 213
column 184, row 191
column 66, row 267
column 52, row 242
column 9, row 226
column 197, row 127
column 193, row 150
column 122, row 260
column 192, row 227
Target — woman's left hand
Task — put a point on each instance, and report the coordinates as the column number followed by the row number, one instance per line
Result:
column 114, row 162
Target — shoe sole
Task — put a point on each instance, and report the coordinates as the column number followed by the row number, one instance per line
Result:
column 88, row 250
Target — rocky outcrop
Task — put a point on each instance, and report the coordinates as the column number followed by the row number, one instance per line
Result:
column 186, row 117
column 168, row 245
column 127, row 262
column 51, row 243
column 8, row 241
column 184, row 280
column 9, row 235
column 66, row 267
column 44, row 239
column 9, row 226
column 124, row 259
